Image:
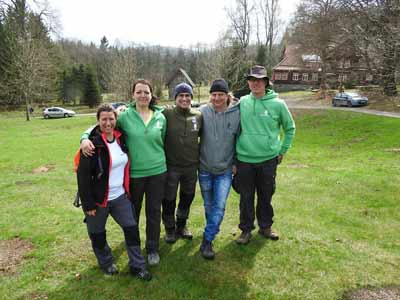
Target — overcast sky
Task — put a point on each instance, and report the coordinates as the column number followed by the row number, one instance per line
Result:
column 164, row 22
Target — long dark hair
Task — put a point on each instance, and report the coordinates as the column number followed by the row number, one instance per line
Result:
column 145, row 82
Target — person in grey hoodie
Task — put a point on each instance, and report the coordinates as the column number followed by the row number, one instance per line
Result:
column 217, row 151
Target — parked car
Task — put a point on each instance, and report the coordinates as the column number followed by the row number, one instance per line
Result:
column 195, row 104
column 57, row 112
column 349, row 99
column 115, row 105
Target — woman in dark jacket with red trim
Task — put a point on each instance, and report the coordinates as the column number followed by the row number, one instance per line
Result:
column 103, row 184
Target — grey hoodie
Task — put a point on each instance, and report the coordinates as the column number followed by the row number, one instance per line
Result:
column 218, row 138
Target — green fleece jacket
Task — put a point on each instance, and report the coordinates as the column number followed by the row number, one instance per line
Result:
column 145, row 143
column 182, row 139
column 261, row 121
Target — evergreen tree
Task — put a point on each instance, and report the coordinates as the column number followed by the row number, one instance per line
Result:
column 103, row 65
column 235, row 68
column 27, row 55
column 261, row 57
column 91, row 91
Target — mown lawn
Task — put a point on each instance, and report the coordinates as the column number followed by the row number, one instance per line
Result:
column 336, row 206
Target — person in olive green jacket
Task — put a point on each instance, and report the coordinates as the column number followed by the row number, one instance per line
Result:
column 259, row 150
column 144, row 127
column 182, row 152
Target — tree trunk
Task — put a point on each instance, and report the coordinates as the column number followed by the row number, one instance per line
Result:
column 27, row 108
column 389, row 66
column 388, row 19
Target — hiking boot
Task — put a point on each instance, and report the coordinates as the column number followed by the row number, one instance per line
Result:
column 170, row 235
column 141, row 274
column 184, row 233
column 268, row 233
column 153, row 259
column 206, row 249
column 110, row 270
column 244, row 238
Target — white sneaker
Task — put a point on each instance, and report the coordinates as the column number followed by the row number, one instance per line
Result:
column 153, row 259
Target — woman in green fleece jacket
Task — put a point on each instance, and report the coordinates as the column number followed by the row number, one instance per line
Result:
column 144, row 127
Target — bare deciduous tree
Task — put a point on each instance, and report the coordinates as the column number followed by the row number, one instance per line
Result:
column 316, row 30
column 122, row 71
column 377, row 23
column 270, row 13
column 240, row 21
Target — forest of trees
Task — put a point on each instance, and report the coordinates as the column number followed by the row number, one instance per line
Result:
column 365, row 28
column 34, row 68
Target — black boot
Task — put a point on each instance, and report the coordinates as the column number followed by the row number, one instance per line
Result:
column 141, row 274
column 184, row 233
column 170, row 235
column 181, row 230
column 206, row 249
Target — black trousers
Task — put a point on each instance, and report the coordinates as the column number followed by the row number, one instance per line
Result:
column 152, row 187
column 256, row 178
column 186, row 180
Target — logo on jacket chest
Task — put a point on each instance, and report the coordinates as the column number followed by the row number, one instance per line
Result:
column 159, row 125
column 195, row 126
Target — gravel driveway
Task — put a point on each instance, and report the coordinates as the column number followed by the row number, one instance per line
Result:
column 299, row 103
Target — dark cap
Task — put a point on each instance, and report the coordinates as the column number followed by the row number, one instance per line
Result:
column 183, row 87
column 258, row 72
column 219, row 85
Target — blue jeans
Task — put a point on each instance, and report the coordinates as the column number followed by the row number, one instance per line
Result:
column 215, row 191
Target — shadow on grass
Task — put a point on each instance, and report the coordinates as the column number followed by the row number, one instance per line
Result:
column 182, row 274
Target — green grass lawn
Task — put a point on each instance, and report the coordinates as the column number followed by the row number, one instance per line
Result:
column 336, row 207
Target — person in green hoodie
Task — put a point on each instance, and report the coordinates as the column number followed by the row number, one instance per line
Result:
column 182, row 152
column 259, row 150
column 144, row 127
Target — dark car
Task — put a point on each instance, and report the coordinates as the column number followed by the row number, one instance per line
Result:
column 195, row 104
column 349, row 99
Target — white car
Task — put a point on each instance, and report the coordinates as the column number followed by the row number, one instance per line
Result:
column 57, row 112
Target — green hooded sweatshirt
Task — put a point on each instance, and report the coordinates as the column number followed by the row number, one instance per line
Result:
column 261, row 121
column 145, row 143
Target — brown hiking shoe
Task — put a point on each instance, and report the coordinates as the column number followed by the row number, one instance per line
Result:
column 244, row 238
column 184, row 233
column 268, row 233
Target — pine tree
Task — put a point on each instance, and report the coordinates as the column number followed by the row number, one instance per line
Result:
column 261, row 57
column 103, row 65
column 91, row 91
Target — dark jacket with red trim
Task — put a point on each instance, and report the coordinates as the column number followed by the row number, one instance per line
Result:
column 93, row 172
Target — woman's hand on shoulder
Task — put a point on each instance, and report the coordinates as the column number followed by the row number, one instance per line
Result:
column 87, row 148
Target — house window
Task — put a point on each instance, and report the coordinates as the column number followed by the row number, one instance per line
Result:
column 295, row 76
column 314, row 76
column 369, row 77
column 278, row 76
column 342, row 77
column 304, row 77
column 347, row 63
column 284, row 76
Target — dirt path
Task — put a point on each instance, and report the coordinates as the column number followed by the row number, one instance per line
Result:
column 300, row 103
